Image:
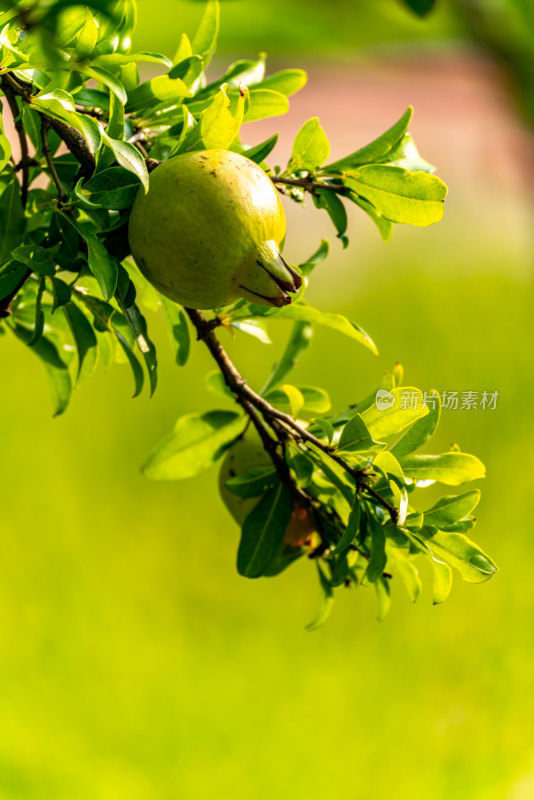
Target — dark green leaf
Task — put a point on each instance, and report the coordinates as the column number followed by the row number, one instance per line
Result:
column 420, row 7
column 378, row 559
column 333, row 205
column 12, row 221
column 84, row 339
column 178, row 330
column 129, row 157
column 39, row 315
column 138, row 327
column 57, row 370
column 11, row 274
column 263, row 532
column 261, row 151
column 351, row 530
column 113, row 188
column 103, row 267
column 253, row 482
column 137, row 369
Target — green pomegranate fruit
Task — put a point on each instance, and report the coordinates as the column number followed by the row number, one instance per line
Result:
column 246, row 453
column 208, row 232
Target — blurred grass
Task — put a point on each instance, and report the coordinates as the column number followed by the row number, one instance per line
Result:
column 135, row 664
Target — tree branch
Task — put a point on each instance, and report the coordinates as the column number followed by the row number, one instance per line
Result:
column 281, row 423
column 45, row 124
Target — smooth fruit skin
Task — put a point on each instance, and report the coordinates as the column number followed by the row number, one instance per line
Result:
column 246, row 453
column 208, row 230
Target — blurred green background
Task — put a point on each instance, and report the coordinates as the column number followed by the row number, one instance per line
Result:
column 134, row 662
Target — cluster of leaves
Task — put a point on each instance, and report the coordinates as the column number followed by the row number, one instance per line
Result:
column 90, row 130
column 360, row 483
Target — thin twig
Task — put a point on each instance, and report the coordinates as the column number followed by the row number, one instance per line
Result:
column 21, row 133
column 310, row 185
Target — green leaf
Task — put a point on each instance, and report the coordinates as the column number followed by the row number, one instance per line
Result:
column 253, row 482
column 310, row 399
column 384, row 225
column 263, row 532
column 107, row 60
column 333, row 205
column 260, row 151
column 382, row 422
column 420, row 7
column 108, row 79
column 355, row 437
column 377, row 150
column 115, row 126
column 84, row 339
column 403, row 566
column 61, row 293
column 187, row 70
column 441, row 581
column 38, row 259
column 5, row 147
column 353, row 525
column 103, row 267
column 138, row 326
column 159, row 91
column 128, row 157
column 383, row 593
column 305, row 313
column 197, row 441
column 252, row 328
column 12, row 222
column 11, row 274
column 451, row 508
column 263, row 103
column 406, row 155
column 420, row 432
column 218, row 125
column 461, row 553
column 178, row 330
column 311, row 147
column 286, row 81
column 327, row 601
column 114, row 188
column 137, row 369
column 57, row 370
column 39, row 315
column 205, row 39
column 452, row 468
column 317, row 258
column 413, row 198
column 378, row 559
column 299, row 340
